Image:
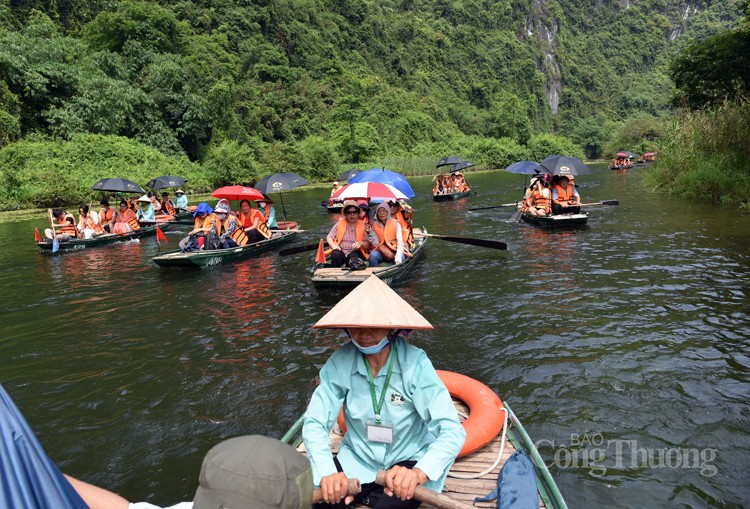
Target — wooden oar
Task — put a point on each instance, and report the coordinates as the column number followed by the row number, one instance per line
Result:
column 354, row 488
column 492, row 244
column 605, row 202
column 514, row 204
column 298, row 249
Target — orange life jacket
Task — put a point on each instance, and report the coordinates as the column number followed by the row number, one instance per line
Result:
column 238, row 235
column 129, row 217
column 207, row 222
column 247, row 221
column 68, row 226
column 387, row 235
column 167, row 208
column 538, row 200
column 105, row 216
column 406, row 229
column 89, row 223
column 359, row 233
column 565, row 195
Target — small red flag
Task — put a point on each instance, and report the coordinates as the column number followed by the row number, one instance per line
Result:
column 320, row 256
column 37, row 237
column 160, row 235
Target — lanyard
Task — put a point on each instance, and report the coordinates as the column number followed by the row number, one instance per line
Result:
column 377, row 405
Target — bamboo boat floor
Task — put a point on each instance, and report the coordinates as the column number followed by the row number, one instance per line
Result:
column 460, row 490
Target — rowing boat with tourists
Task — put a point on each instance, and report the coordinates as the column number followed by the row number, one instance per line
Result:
column 385, row 429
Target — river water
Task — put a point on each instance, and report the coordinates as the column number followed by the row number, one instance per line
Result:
column 622, row 346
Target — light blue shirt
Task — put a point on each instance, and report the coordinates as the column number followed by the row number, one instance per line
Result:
column 146, row 215
column 417, row 404
column 271, row 219
column 181, row 201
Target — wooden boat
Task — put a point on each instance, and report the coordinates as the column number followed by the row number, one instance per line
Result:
column 198, row 259
column 556, row 221
column 451, row 196
column 511, row 437
column 103, row 240
column 343, row 277
column 334, row 209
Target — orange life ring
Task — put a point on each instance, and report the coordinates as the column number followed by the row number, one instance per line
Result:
column 486, row 411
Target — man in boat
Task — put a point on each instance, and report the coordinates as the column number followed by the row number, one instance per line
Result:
column 399, row 416
column 538, row 202
column 106, row 216
column 565, row 197
column 63, row 225
column 349, row 239
column 180, row 201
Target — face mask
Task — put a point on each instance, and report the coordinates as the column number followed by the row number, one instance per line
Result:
column 261, row 204
column 370, row 350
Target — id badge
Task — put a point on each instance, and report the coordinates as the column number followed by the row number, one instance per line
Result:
column 382, row 433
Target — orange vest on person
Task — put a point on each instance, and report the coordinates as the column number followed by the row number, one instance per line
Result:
column 129, row 217
column 105, row 216
column 67, row 228
column 89, row 223
column 211, row 220
column 359, row 234
column 388, row 234
column 565, row 195
column 538, row 200
column 406, row 230
column 167, row 208
column 238, row 235
column 247, row 221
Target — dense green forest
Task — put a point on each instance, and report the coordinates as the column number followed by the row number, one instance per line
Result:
column 226, row 91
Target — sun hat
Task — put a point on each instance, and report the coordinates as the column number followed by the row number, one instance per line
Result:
column 255, row 472
column 202, row 208
column 179, row 191
column 336, row 183
column 222, row 208
column 347, row 204
column 373, row 304
column 265, row 199
column 144, row 199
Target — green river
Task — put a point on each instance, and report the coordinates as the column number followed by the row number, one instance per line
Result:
column 624, row 346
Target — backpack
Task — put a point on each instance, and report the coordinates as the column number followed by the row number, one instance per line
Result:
column 516, row 484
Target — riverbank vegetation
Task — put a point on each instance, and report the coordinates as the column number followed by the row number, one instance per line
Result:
column 230, row 92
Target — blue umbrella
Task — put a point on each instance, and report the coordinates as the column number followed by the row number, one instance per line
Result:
column 524, row 167
column 30, row 479
column 384, row 177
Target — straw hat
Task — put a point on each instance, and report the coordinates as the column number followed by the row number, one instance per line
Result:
column 347, row 204
column 144, row 198
column 373, row 304
column 179, row 191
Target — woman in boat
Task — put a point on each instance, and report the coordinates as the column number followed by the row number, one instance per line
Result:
column 180, row 201
column 398, row 215
column 268, row 212
column 565, row 197
column 364, row 211
column 88, row 222
column 106, row 216
column 230, row 233
column 390, row 246
column 63, row 225
column 349, row 239
column 398, row 414
column 253, row 223
column 167, row 207
column 125, row 220
column 146, row 211
column 538, row 201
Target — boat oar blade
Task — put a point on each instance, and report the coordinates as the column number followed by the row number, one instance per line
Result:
column 298, row 249
column 492, row 244
column 55, row 243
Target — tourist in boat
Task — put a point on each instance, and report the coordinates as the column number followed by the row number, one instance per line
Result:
column 390, row 245
column 88, row 222
column 167, row 206
column 364, row 211
column 268, row 212
column 125, row 220
column 253, row 223
column 252, row 471
column 230, row 233
column 205, row 219
column 106, row 216
column 538, row 202
column 398, row 414
column 565, row 197
column 63, row 225
column 180, row 201
column 146, row 210
column 398, row 215
column 349, row 239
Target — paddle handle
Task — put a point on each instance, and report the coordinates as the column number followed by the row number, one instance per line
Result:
column 354, row 488
column 605, row 202
column 514, row 204
column 427, row 495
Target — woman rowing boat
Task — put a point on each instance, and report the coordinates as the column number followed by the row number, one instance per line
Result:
column 398, row 414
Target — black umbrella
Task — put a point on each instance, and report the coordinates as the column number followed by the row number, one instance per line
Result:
column 462, row 166
column 348, row 174
column 165, row 182
column 524, row 167
column 449, row 161
column 563, row 165
column 278, row 182
column 116, row 185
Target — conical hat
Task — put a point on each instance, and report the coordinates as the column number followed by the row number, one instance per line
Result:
column 373, row 304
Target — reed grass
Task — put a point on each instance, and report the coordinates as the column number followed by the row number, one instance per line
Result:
column 705, row 155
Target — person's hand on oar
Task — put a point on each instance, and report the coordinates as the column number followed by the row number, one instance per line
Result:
column 402, row 482
column 335, row 487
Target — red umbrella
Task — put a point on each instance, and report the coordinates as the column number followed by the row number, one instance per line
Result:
column 621, row 154
column 374, row 191
column 238, row 193
column 648, row 154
